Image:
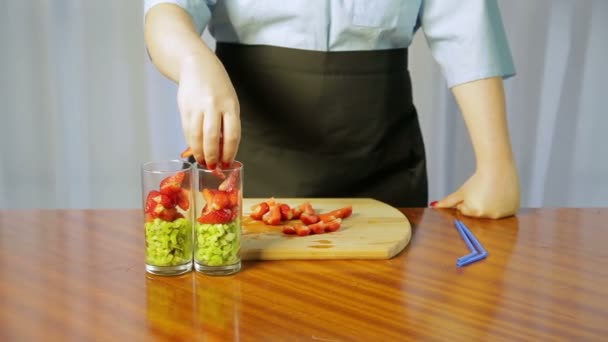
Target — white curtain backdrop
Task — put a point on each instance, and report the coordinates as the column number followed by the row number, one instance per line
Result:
column 81, row 106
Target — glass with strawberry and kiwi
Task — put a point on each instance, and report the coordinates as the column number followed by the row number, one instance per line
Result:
column 217, row 230
column 168, row 221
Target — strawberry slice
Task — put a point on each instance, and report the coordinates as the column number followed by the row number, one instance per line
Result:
column 332, row 225
column 301, row 230
column 233, row 196
column 150, row 202
column 273, row 216
column 317, row 228
column 172, row 184
column 296, row 212
column 235, row 213
column 169, row 215
column 217, row 199
column 230, row 182
column 156, row 201
column 208, row 196
column 218, row 173
column 258, row 210
column 306, row 208
column 309, row 219
column 216, row 216
column 215, row 170
column 220, row 200
column 289, row 230
column 182, row 199
column 325, row 227
column 286, row 213
column 341, row 213
column 187, row 153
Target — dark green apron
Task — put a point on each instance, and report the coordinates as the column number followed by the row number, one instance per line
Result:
column 327, row 124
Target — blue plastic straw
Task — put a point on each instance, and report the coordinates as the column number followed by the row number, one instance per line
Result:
column 476, row 242
column 481, row 253
column 466, row 239
column 471, row 260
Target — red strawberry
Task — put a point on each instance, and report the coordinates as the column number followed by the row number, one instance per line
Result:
column 233, row 196
column 216, row 216
column 289, row 230
column 220, row 200
column 296, row 212
column 258, row 210
column 286, row 213
column 273, row 216
column 309, row 219
column 182, row 199
column 301, row 230
column 230, row 182
column 156, row 202
column 187, row 153
column 333, row 225
column 208, row 196
column 235, row 213
column 325, row 227
column 168, row 215
column 317, row 228
column 172, row 184
column 306, row 208
column 338, row 213
column 150, row 202
column 217, row 172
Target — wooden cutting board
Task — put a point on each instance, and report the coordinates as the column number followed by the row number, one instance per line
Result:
column 375, row 230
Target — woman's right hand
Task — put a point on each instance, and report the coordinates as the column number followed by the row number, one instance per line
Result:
column 209, row 110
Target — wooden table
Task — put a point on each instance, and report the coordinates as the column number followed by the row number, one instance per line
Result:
column 78, row 275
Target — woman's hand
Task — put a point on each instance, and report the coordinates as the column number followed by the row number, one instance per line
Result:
column 209, row 110
column 491, row 192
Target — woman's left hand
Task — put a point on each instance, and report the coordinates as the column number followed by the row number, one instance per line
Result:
column 491, row 192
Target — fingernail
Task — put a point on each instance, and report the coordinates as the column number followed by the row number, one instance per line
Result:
column 201, row 161
column 225, row 165
column 434, row 203
column 212, row 166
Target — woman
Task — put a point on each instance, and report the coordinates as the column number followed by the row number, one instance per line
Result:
column 315, row 97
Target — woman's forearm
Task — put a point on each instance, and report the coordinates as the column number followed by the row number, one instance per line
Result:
column 208, row 105
column 483, row 106
column 172, row 39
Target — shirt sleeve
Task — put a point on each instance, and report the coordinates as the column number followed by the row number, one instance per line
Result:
column 467, row 39
column 199, row 10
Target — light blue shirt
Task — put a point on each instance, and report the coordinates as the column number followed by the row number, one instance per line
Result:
column 466, row 37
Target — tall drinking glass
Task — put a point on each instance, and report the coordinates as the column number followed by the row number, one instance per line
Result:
column 167, row 205
column 217, row 232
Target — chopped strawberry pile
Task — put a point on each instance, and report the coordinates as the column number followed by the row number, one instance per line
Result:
column 274, row 213
column 163, row 203
column 221, row 205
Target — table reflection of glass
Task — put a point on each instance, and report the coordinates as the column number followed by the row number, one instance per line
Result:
column 217, row 303
column 169, row 305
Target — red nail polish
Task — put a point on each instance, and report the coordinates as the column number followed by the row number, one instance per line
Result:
column 201, row 162
column 434, row 203
column 212, row 166
column 225, row 165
